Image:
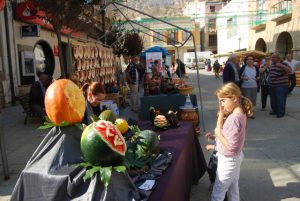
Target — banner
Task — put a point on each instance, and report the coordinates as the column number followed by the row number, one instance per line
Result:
column 27, row 12
column 151, row 57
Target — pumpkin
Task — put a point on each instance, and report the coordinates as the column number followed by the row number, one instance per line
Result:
column 122, row 125
column 108, row 115
column 102, row 144
column 64, row 102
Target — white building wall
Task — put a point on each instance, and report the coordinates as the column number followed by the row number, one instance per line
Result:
column 45, row 35
column 240, row 39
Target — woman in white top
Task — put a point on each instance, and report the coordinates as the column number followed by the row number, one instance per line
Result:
column 292, row 76
column 249, row 77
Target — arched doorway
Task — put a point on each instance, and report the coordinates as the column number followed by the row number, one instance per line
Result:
column 44, row 58
column 260, row 45
column 284, row 43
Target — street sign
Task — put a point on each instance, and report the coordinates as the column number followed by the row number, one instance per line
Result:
column 30, row 30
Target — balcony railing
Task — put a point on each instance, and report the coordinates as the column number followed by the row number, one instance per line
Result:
column 282, row 8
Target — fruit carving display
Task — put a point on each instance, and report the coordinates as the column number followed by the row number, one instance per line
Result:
column 108, row 115
column 172, row 118
column 64, row 102
column 160, row 121
column 102, row 144
column 122, row 125
column 151, row 141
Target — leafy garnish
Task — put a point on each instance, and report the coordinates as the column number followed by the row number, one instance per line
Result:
column 48, row 124
column 104, row 172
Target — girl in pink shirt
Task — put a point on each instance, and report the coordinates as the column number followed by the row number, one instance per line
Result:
column 230, row 137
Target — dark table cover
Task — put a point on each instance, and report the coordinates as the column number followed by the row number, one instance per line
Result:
column 163, row 102
column 187, row 167
column 51, row 173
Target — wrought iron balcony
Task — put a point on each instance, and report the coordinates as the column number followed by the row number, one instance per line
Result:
column 281, row 10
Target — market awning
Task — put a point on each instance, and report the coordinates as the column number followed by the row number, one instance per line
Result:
column 154, row 49
column 256, row 53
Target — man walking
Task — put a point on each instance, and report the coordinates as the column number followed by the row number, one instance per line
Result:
column 278, row 82
column 216, row 67
column 133, row 81
column 231, row 70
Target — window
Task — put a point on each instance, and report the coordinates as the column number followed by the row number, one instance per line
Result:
column 185, row 35
column 158, row 36
column 172, row 38
column 231, row 27
column 212, row 24
column 212, row 9
column 213, row 40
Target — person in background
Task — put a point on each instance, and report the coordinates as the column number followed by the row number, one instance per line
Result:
column 140, row 69
column 249, row 76
column 231, row 70
column 230, row 138
column 73, row 77
column 264, row 72
column 180, row 71
column 292, row 76
column 133, row 82
column 279, row 85
column 37, row 95
column 154, row 67
column 94, row 93
column 216, row 67
column 173, row 68
column 208, row 65
column 166, row 67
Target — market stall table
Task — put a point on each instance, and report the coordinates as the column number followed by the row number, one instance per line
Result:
column 188, row 164
column 52, row 174
column 163, row 102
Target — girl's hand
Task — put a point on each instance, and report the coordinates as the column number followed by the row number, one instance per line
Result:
column 221, row 109
column 210, row 147
column 217, row 131
column 209, row 136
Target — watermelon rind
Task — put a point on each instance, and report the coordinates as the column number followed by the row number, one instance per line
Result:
column 151, row 141
column 97, row 151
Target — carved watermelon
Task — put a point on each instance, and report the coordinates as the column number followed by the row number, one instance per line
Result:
column 102, row 144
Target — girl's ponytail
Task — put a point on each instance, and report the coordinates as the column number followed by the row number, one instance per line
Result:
column 247, row 106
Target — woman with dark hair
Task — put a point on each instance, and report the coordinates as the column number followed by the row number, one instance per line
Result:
column 249, row 77
column 94, row 94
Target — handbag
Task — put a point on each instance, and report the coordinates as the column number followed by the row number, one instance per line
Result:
column 212, row 166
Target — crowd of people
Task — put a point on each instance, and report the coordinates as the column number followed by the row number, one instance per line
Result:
column 237, row 97
column 274, row 77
